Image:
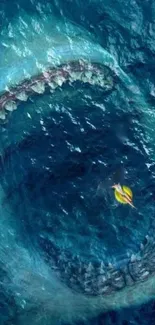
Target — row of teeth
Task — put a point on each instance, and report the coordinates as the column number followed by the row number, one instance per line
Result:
column 104, row 279
column 57, row 81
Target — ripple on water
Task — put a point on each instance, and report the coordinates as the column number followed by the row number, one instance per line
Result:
column 59, row 183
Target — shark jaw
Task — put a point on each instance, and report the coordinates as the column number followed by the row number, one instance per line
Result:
column 59, row 287
column 91, row 73
column 93, row 283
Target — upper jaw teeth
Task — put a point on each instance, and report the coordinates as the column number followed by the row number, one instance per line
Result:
column 38, row 87
column 52, row 85
column 94, row 77
column 10, row 106
column 22, row 96
column 59, row 80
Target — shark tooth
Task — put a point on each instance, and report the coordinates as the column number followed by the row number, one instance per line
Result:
column 59, row 80
column 109, row 82
column 78, row 75
column 90, row 267
column 93, row 80
column 52, row 85
column 101, row 268
column 22, row 96
column 88, row 75
column 102, row 83
column 141, row 246
column 38, row 87
column 110, row 265
column 75, row 75
column 133, row 258
column 84, row 78
column 10, row 106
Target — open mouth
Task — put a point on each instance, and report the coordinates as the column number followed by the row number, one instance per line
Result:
column 93, row 74
column 56, row 149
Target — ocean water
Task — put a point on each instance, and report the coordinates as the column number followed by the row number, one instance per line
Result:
column 60, row 153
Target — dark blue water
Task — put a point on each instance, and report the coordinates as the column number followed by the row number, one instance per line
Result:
column 60, row 152
column 58, row 169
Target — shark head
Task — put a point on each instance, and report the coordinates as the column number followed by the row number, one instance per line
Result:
column 67, row 254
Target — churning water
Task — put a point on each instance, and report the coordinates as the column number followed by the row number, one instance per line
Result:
column 77, row 114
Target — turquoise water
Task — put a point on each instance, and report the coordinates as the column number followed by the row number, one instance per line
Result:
column 61, row 151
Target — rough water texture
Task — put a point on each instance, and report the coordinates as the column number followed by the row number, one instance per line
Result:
column 76, row 115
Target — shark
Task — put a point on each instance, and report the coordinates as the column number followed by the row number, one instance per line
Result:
column 40, row 55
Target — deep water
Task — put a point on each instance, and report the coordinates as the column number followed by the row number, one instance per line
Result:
column 61, row 153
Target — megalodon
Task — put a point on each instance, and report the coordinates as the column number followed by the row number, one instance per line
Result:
column 35, row 54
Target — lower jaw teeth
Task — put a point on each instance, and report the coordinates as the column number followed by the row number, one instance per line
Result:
column 84, row 78
column 75, row 76
column 93, row 81
column 109, row 82
column 88, row 75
